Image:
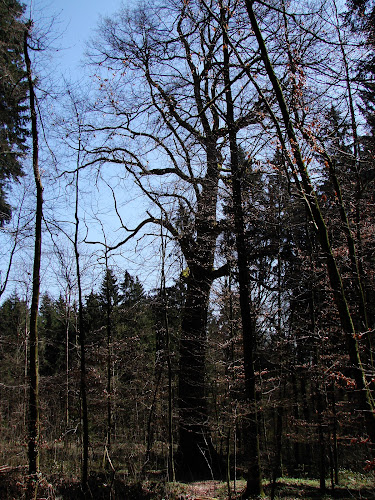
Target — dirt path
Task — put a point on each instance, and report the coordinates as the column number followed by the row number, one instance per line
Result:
column 206, row 490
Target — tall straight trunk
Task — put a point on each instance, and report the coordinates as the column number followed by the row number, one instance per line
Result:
column 33, row 420
column 109, row 359
column 356, row 262
column 150, row 420
column 319, row 386
column 303, row 183
column 335, row 455
column 251, row 432
column 276, row 466
column 297, row 451
column 171, row 467
column 67, row 324
column 82, row 348
column 321, row 438
column 279, row 410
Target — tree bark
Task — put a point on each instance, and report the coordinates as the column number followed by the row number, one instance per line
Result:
column 109, row 308
column 82, row 347
column 33, row 420
column 196, row 457
column 171, row 468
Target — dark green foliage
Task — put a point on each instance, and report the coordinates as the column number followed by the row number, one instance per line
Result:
column 13, row 95
column 13, row 321
column 54, row 327
column 131, row 290
column 109, row 290
column 13, row 342
column 93, row 314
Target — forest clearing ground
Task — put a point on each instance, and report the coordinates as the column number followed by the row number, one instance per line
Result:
column 13, row 483
column 207, row 490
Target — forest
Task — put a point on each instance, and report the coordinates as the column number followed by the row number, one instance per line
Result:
column 187, row 292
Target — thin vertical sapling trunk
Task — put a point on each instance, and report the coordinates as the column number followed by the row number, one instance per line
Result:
column 335, row 457
column 82, row 350
column 109, row 308
column 33, row 420
column 81, row 334
column 67, row 327
column 254, row 480
column 279, row 410
column 171, row 469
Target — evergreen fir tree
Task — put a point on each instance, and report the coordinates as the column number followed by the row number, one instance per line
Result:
column 13, row 95
column 53, row 336
column 109, row 290
column 131, row 290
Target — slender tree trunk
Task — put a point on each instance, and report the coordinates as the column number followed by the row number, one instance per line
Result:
column 171, row 467
column 356, row 262
column 33, row 421
column 67, row 322
column 150, row 425
column 297, row 452
column 321, row 439
column 109, row 359
column 319, row 387
column 82, row 347
column 25, row 372
column 279, row 410
column 334, row 437
column 251, row 431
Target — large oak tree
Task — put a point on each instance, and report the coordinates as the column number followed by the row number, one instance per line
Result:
column 162, row 108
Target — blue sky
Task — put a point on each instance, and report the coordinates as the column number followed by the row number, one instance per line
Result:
column 75, row 22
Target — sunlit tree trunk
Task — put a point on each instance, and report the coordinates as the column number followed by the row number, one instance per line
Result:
column 33, row 420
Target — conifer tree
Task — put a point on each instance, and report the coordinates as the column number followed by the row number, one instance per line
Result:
column 13, row 99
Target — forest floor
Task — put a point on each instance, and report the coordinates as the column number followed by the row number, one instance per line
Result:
column 352, row 486
column 13, row 487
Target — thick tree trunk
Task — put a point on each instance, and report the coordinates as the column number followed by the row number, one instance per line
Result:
column 33, row 420
column 196, row 458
